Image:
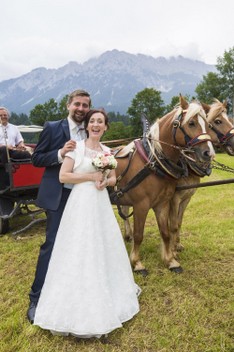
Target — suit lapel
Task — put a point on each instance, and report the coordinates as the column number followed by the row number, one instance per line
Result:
column 66, row 131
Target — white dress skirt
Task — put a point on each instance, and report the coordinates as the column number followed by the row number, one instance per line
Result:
column 89, row 288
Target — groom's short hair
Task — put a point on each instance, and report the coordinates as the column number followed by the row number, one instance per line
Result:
column 78, row 93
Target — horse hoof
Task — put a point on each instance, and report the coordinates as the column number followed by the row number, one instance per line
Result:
column 143, row 272
column 177, row 270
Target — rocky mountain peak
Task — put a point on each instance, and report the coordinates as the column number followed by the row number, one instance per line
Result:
column 113, row 79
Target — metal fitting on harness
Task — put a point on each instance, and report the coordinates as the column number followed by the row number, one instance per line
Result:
column 119, row 194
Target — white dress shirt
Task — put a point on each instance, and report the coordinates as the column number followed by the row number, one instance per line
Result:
column 77, row 133
column 10, row 135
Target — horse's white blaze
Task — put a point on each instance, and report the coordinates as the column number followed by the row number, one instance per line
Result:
column 203, row 127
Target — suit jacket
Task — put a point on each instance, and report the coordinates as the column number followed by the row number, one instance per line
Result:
column 53, row 137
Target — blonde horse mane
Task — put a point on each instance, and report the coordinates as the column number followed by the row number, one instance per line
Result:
column 194, row 108
column 154, row 133
column 216, row 109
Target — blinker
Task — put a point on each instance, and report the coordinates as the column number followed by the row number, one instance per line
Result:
column 176, row 123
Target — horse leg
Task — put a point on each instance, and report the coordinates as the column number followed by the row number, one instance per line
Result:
column 178, row 205
column 182, row 207
column 127, row 227
column 174, row 220
column 168, row 256
column 139, row 218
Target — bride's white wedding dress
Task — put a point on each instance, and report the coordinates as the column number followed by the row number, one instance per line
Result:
column 89, row 288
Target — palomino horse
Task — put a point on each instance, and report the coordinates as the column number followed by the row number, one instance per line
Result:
column 150, row 178
column 222, row 134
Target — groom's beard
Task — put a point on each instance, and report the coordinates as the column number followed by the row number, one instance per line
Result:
column 78, row 116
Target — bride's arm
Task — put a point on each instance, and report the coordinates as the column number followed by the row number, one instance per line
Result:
column 66, row 174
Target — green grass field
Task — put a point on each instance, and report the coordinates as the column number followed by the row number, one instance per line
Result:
column 189, row 312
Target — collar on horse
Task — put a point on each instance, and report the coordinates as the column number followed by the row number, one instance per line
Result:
column 159, row 163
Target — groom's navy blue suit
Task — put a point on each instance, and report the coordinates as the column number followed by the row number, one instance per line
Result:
column 52, row 196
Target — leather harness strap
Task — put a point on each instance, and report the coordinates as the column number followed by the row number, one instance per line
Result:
column 138, row 178
column 141, row 150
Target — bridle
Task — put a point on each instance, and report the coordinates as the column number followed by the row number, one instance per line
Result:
column 223, row 138
column 190, row 142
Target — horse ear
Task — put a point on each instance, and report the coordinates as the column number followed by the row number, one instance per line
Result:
column 206, row 107
column 183, row 103
column 225, row 104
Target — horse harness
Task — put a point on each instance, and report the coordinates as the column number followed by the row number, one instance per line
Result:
column 194, row 167
column 156, row 162
column 223, row 138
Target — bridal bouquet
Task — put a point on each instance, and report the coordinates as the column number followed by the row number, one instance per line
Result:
column 104, row 162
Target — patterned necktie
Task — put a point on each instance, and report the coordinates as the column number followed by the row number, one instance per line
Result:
column 80, row 129
column 81, row 133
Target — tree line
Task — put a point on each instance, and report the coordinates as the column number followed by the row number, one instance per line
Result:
column 219, row 85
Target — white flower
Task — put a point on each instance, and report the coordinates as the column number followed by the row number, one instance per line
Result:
column 104, row 161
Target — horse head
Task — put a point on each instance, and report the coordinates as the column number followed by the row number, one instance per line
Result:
column 186, row 128
column 221, row 128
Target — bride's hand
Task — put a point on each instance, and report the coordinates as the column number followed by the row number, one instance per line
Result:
column 97, row 179
column 102, row 184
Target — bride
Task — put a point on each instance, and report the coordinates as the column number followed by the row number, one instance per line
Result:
column 89, row 288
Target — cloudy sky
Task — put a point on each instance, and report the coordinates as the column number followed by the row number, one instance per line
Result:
column 50, row 33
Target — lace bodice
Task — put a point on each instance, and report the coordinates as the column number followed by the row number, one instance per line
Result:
column 91, row 153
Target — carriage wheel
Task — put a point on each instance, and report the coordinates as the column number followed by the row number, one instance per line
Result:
column 4, row 226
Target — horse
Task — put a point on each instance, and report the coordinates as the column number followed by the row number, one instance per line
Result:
column 147, row 178
column 222, row 135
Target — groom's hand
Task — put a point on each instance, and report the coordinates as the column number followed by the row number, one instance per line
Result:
column 69, row 146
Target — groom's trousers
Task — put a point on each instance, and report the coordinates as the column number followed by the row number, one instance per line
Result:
column 52, row 225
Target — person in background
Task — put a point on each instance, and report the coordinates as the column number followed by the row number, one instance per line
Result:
column 56, row 139
column 11, row 141
column 89, row 288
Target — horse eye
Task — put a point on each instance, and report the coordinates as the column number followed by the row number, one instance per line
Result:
column 191, row 124
column 218, row 122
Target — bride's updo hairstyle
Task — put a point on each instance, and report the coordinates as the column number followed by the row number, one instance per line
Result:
column 95, row 111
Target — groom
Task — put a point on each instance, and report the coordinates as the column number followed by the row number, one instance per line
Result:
column 56, row 139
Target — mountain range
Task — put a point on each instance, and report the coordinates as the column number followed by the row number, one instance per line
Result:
column 113, row 79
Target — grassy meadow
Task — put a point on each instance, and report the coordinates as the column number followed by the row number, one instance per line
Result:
column 188, row 312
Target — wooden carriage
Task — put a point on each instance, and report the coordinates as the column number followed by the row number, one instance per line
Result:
column 19, row 182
